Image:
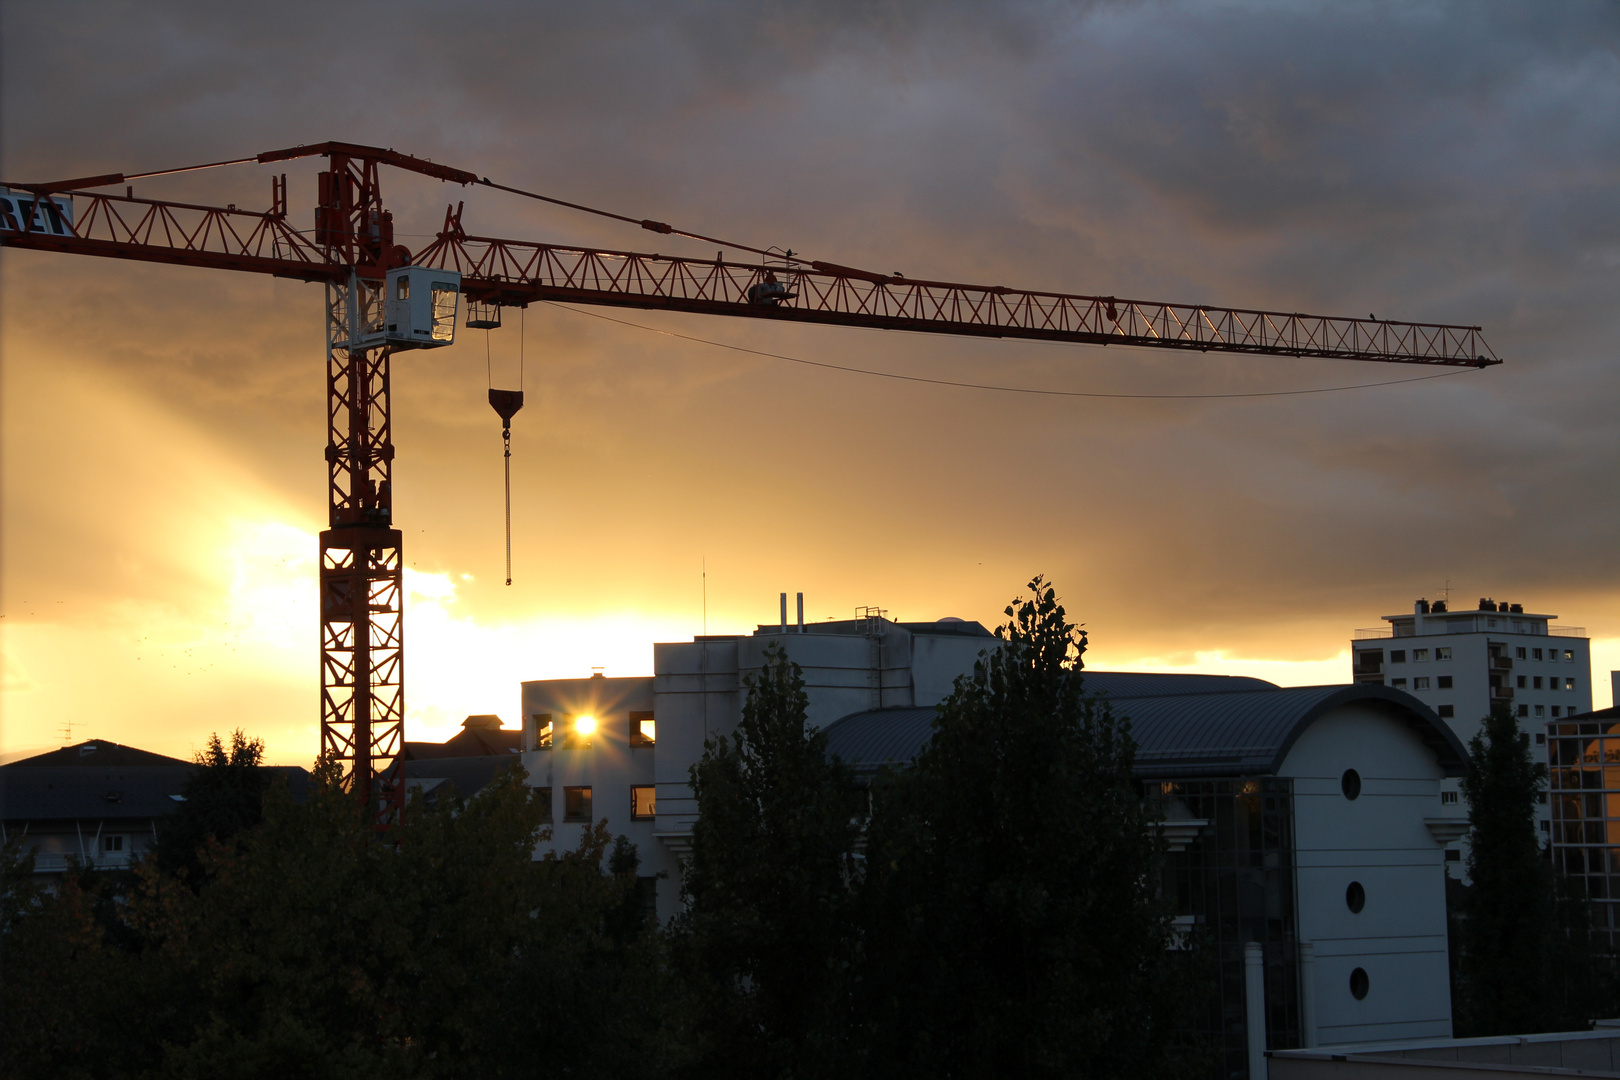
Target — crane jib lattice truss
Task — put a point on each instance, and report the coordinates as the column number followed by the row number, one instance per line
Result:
column 351, row 251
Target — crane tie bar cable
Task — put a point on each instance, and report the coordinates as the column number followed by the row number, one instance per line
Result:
column 645, row 223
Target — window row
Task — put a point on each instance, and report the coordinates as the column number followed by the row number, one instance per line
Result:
column 1552, row 655
column 574, row 731
column 1421, row 682
column 577, row 803
column 1540, row 710
column 1552, row 682
column 1419, row 656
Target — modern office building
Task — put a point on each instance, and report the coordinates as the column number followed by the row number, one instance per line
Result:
column 1583, row 753
column 1307, row 820
column 1462, row 663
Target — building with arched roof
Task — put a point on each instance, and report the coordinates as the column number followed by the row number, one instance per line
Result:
column 1307, row 820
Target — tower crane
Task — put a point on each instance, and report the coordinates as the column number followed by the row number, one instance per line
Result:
column 381, row 298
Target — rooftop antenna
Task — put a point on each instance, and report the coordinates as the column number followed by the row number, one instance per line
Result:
column 67, row 731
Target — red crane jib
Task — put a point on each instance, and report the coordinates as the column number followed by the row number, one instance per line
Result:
column 516, row 272
column 351, row 248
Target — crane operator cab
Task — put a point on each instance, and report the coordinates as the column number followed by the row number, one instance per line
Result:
column 420, row 307
column 768, row 292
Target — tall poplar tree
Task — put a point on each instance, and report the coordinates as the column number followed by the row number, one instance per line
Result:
column 1508, row 913
column 1013, row 923
column 765, row 940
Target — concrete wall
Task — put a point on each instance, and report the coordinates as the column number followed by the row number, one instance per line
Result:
column 1379, row 840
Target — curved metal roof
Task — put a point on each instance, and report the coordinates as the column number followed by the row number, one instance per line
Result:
column 1235, row 733
column 1134, row 684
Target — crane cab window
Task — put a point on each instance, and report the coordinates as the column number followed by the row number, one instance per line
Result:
column 444, row 310
column 402, row 288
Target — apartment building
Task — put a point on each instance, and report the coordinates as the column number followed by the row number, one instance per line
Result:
column 1462, row 663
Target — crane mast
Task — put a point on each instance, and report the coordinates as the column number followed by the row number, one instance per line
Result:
column 361, row 564
column 366, row 278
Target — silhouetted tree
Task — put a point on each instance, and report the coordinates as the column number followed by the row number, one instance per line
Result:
column 312, row 947
column 1528, row 958
column 223, row 796
column 765, row 940
column 1014, row 927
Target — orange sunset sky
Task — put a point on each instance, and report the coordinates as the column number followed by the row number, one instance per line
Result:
column 163, row 478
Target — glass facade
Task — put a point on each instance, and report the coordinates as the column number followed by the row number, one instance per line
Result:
column 1583, row 783
column 1235, row 883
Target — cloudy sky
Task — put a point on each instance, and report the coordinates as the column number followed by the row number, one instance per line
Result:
column 163, row 427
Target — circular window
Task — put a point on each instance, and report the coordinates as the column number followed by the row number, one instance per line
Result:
column 1355, row 897
column 1351, row 783
column 1358, row 983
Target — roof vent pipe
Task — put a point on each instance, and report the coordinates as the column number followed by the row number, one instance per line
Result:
column 801, row 613
column 784, row 613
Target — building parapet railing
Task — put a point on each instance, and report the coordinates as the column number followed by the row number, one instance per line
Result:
column 1372, row 632
column 1566, row 631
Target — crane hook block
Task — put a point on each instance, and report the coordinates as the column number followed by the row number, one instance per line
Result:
column 506, row 404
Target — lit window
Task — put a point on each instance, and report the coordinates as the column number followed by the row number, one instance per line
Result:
column 1569, row 656
column 1397, row 656
column 643, row 802
column 1398, row 682
column 1447, row 712
column 543, row 796
column 1443, row 654
column 1569, row 684
column 577, row 804
column 1420, row 683
column 577, row 731
column 642, row 729
column 1420, row 656
column 542, row 731
column 1443, row 682
column 1518, row 653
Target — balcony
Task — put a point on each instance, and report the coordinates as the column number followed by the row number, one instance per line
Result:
column 1560, row 631
column 1501, row 663
column 1502, row 693
column 1372, row 633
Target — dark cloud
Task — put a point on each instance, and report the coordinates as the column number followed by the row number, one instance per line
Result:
column 1440, row 161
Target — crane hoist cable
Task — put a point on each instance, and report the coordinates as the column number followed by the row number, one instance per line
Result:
column 506, row 404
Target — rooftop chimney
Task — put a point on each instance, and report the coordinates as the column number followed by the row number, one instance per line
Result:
column 801, row 613
column 1420, row 608
column 784, row 613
